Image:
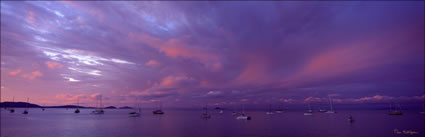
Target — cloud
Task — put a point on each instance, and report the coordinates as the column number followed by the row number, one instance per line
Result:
column 53, row 65
column 312, row 100
column 176, row 47
column 176, row 81
column 32, row 75
column 152, row 63
column 15, row 72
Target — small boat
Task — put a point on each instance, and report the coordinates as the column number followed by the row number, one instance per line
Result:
column 135, row 113
column 423, row 107
column 26, row 108
column 280, row 110
column 221, row 111
column 99, row 110
column 396, row 111
column 270, row 112
column 350, row 119
column 77, row 110
column 158, row 111
column 234, row 113
column 331, row 105
column 11, row 110
column 205, row 115
column 309, row 112
column 322, row 110
column 242, row 116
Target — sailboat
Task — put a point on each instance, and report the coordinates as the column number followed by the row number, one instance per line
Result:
column 270, row 112
column 136, row 113
column 205, row 115
column 26, row 108
column 99, row 110
column 332, row 108
column 395, row 111
column 242, row 116
column 280, row 110
column 158, row 111
column 234, row 112
column 78, row 105
column 309, row 112
column 350, row 119
column 11, row 110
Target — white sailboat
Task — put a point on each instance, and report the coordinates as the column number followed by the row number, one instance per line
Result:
column 395, row 111
column 99, row 109
column 331, row 105
column 280, row 110
column 242, row 116
column 309, row 112
column 270, row 112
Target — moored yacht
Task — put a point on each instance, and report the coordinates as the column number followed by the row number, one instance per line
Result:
column 11, row 110
column 270, row 112
column 395, row 111
column 136, row 113
column 331, row 105
column 309, row 112
column 243, row 116
column 99, row 110
column 77, row 110
column 26, row 108
column 158, row 111
column 205, row 115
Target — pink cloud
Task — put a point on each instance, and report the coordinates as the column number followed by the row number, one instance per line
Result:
column 53, row 65
column 90, row 10
column 312, row 100
column 152, row 63
column 255, row 72
column 177, row 81
column 176, row 48
column 32, row 75
column 15, row 72
column 30, row 18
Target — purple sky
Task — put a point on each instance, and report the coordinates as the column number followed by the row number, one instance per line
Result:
column 192, row 53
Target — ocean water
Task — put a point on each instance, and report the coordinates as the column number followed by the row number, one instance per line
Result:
column 187, row 123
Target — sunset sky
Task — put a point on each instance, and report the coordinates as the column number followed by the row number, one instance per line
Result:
column 222, row 53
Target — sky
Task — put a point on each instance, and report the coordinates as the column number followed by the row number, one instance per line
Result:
column 186, row 54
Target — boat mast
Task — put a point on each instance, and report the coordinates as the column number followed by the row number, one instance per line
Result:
column 330, row 100
column 28, row 100
column 309, row 107
column 101, row 105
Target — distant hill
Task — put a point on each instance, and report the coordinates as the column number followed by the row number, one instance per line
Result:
column 66, row 106
column 19, row 105
column 24, row 104
column 111, row 107
column 126, row 107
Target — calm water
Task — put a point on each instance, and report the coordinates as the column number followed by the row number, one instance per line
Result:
column 186, row 123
